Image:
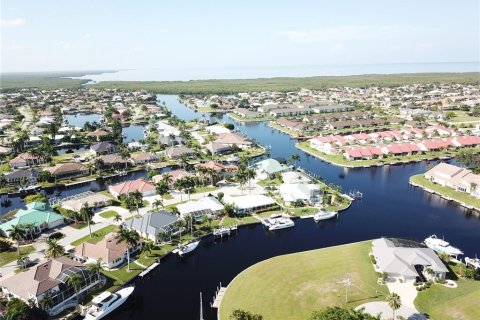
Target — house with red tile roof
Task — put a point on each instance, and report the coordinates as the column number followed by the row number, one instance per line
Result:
column 146, row 188
column 25, row 160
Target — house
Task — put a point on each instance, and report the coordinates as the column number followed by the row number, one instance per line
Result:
column 109, row 251
column 216, row 148
column 98, row 134
column 245, row 113
column 51, row 278
column 150, row 225
column 306, row 192
column 459, row 179
column 250, row 203
column 406, row 260
column 222, row 170
column 177, row 152
column 25, row 160
column 174, row 176
column 201, row 208
column 217, row 129
column 103, row 147
column 269, row 167
column 40, row 214
column 26, row 176
column 233, row 139
column 146, row 188
column 113, row 160
column 143, row 157
column 68, row 170
column 93, row 200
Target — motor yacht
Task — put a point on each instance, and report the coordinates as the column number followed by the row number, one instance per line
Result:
column 187, row 248
column 106, row 302
column 278, row 222
column 324, row 215
column 442, row 246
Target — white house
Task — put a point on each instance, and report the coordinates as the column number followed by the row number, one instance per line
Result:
column 250, row 203
column 208, row 206
column 306, row 192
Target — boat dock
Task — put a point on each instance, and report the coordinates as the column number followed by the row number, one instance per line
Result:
column 146, row 271
column 218, row 296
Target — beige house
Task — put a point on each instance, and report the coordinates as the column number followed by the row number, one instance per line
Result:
column 457, row 178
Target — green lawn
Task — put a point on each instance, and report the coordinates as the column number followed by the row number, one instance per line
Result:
column 96, row 236
column 292, row 286
column 205, row 189
column 108, row 214
column 446, row 303
column 446, row 191
column 9, row 256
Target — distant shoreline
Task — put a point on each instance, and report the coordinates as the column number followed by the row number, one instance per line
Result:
column 48, row 81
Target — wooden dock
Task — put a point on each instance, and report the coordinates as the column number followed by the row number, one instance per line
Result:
column 218, row 297
column 146, row 271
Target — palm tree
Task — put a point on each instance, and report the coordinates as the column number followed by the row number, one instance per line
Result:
column 148, row 247
column 242, row 178
column 117, row 218
column 228, row 209
column 167, row 178
column 130, row 203
column 22, row 261
column 17, row 232
column 46, row 301
column 394, row 302
column 295, row 157
column 158, row 203
column 75, row 280
column 31, row 228
column 179, row 185
column 138, row 198
column 131, row 238
column 162, row 188
column 95, row 268
column 54, row 249
column 125, row 155
column 250, row 174
column 86, row 213
column 98, row 164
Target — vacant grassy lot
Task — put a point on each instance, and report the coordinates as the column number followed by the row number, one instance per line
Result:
column 294, row 285
column 96, row 236
column 446, row 191
column 445, row 303
column 9, row 256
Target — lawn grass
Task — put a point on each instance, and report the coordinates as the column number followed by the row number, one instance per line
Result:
column 292, row 286
column 108, row 214
column 203, row 189
column 96, row 236
column 461, row 303
column 446, row 191
column 8, row 256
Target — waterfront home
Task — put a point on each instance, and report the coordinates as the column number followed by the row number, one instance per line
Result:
column 68, row 170
column 146, row 188
column 177, row 152
column 217, row 148
column 151, row 224
column 143, row 157
column 405, row 260
column 308, row 193
column 201, row 208
column 439, row 130
column 135, row 145
column 103, row 147
column 164, row 129
column 174, row 176
column 170, row 140
column 457, row 178
column 26, row 160
column 217, row 129
column 245, row 113
column 50, row 278
column 40, row 214
column 401, row 149
column 250, row 203
column 222, row 170
column 99, row 134
column 111, row 252
column 93, row 200
column 26, row 176
column 269, row 167
column 233, row 139
column 362, row 153
column 324, row 108
column 293, row 125
column 113, row 160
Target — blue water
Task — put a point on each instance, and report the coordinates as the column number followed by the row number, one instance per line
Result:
column 79, row 120
column 133, row 132
column 185, row 74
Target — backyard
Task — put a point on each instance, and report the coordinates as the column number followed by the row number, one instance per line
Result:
column 292, row 286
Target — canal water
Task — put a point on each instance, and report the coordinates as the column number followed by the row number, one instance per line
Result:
column 390, row 207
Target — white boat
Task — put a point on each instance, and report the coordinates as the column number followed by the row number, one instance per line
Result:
column 324, row 215
column 442, row 246
column 277, row 222
column 187, row 248
column 223, row 231
column 474, row 262
column 29, row 188
column 106, row 302
column 355, row 194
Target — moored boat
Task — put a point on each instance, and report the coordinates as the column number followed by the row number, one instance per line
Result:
column 324, row 215
column 187, row 248
column 106, row 302
column 442, row 246
column 474, row 262
column 277, row 222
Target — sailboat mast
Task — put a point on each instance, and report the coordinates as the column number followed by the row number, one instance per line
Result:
column 201, row 307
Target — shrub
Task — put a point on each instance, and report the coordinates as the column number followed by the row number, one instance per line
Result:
column 56, row 236
column 372, row 258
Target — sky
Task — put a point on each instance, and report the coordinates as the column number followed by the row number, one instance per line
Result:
column 59, row 35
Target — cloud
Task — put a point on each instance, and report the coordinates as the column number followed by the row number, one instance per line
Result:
column 64, row 45
column 342, row 33
column 86, row 36
column 13, row 22
column 138, row 49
